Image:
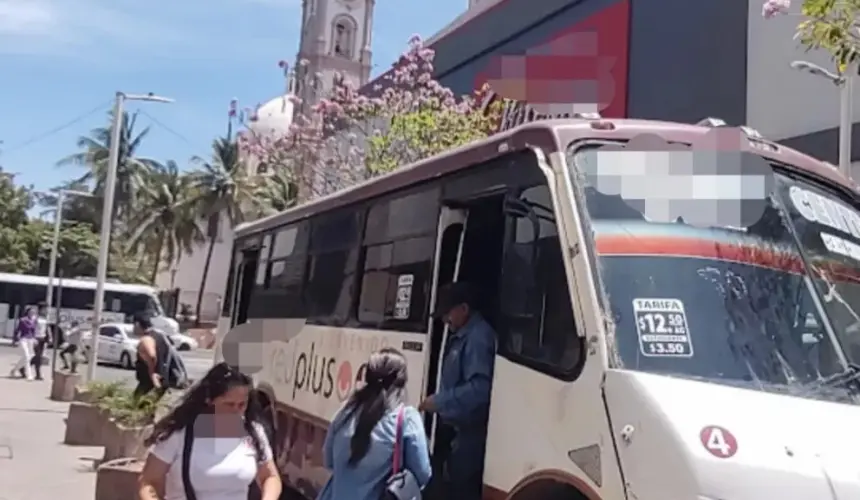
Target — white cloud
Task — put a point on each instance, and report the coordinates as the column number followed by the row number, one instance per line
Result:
column 61, row 27
column 24, row 17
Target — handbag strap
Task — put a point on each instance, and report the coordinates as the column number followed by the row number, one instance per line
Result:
column 398, row 438
column 186, row 462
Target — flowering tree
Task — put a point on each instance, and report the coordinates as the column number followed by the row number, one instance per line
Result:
column 831, row 25
column 345, row 135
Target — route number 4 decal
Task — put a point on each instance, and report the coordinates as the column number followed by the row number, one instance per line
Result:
column 718, row 441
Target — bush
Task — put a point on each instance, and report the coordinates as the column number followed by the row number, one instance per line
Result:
column 98, row 391
column 128, row 410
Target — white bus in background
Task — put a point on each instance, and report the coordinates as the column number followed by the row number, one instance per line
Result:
column 122, row 301
column 638, row 359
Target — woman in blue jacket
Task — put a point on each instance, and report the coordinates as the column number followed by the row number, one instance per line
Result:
column 359, row 446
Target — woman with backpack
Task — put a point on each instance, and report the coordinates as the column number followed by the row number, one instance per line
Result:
column 376, row 446
column 211, row 446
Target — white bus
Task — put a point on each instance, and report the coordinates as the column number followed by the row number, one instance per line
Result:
column 19, row 291
column 637, row 359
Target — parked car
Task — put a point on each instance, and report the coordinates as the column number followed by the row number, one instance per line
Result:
column 117, row 344
column 183, row 342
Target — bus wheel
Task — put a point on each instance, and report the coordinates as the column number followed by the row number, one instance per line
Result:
column 549, row 489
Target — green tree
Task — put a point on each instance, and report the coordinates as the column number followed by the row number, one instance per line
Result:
column 95, row 153
column 830, row 25
column 348, row 135
column 165, row 221
column 225, row 192
column 278, row 191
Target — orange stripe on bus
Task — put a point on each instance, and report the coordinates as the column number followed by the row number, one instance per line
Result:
column 679, row 246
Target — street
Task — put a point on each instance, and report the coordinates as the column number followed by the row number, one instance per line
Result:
column 197, row 362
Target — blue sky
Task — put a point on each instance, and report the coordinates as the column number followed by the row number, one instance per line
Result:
column 60, row 59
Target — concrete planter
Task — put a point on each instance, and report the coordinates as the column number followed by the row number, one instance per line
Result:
column 64, row 386
column 117, row 479
column 123, row 442
column 83, row 395
column 83, row 425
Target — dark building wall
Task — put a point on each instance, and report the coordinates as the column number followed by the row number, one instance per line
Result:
column 686, row 60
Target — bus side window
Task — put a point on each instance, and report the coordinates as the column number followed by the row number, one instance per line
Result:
column 537, row 326
column 332, row 266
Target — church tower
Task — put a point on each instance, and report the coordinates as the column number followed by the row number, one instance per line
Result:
column 335, row 38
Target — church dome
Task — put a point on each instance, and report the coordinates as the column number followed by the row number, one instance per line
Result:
column 274, row 117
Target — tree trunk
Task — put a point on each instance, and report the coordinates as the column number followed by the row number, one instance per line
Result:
column 203, row 281
column 158, row 249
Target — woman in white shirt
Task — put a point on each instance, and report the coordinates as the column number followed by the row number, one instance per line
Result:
column 228, row 448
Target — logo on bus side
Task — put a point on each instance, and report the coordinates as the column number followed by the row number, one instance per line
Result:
column 315, row 373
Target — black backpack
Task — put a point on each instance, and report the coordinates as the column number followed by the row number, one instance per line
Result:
column 171, row 368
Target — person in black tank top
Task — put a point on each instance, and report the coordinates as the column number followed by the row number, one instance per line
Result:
column 151, row 353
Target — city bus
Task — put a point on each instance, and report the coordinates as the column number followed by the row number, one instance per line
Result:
column 74, row 298
column 638, row 357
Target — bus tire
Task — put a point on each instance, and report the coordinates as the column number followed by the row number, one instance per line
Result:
column 549, row 489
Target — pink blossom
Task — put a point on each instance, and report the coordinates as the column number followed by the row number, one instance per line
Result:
column 772, row 8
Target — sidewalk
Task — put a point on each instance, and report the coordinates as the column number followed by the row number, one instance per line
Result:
column 43, row 468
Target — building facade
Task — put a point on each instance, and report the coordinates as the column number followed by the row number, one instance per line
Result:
column 657, row 59
column 335, row 40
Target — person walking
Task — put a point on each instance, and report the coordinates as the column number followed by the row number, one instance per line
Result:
column 41, row 339
column 212, row 445
column 73, row 344
column 25, row 336
column 158, row 366
column 373, row 433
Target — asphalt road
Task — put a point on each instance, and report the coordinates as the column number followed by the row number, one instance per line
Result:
column 197, row 362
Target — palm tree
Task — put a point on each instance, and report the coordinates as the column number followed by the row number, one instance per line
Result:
column 278, row 192
column 95, row 153
column 166, row 221
column 225, row 190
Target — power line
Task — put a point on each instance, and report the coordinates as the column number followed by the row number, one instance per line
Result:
column 60, row 128
column 165, row 127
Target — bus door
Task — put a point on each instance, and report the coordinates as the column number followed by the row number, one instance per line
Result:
column 449, row 248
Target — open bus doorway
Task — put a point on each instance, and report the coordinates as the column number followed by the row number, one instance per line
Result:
column 472, row 235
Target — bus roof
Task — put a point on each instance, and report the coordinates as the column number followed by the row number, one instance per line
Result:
column 549, row 135
column 85, row 284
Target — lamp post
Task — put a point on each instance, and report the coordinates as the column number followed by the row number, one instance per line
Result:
column 845, row 82
column 52, row 265
column 107, row 217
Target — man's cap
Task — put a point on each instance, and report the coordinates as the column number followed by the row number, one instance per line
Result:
column 451, row 296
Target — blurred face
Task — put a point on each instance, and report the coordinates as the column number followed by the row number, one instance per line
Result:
column 138, row 330
column 457, row 317
column 32, row 313
column 232, row 402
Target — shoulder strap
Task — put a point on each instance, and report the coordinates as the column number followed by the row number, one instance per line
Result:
column 186, row 462
column 398, row 438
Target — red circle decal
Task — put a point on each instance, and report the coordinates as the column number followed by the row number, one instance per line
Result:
column 344, row 380
column 719, row 441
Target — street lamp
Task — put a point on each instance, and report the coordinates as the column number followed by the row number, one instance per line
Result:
column 107, row 217
column 845, row 82
column 52, row 266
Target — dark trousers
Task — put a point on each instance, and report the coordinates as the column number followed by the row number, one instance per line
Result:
column 71, row 351
column 146, row 388
column 38, row 353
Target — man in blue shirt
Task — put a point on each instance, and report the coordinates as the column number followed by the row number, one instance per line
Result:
column 463, row 398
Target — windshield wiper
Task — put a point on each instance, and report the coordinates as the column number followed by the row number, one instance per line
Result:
column 848, row 380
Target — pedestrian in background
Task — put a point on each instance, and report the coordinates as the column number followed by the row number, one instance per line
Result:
column 25, row 335
column 212, row 445
column 73, row 344
column 41, row 339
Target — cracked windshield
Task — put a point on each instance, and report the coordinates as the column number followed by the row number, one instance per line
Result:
column 771, row 306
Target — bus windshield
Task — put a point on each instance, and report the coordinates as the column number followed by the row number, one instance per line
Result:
column 773, row 306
